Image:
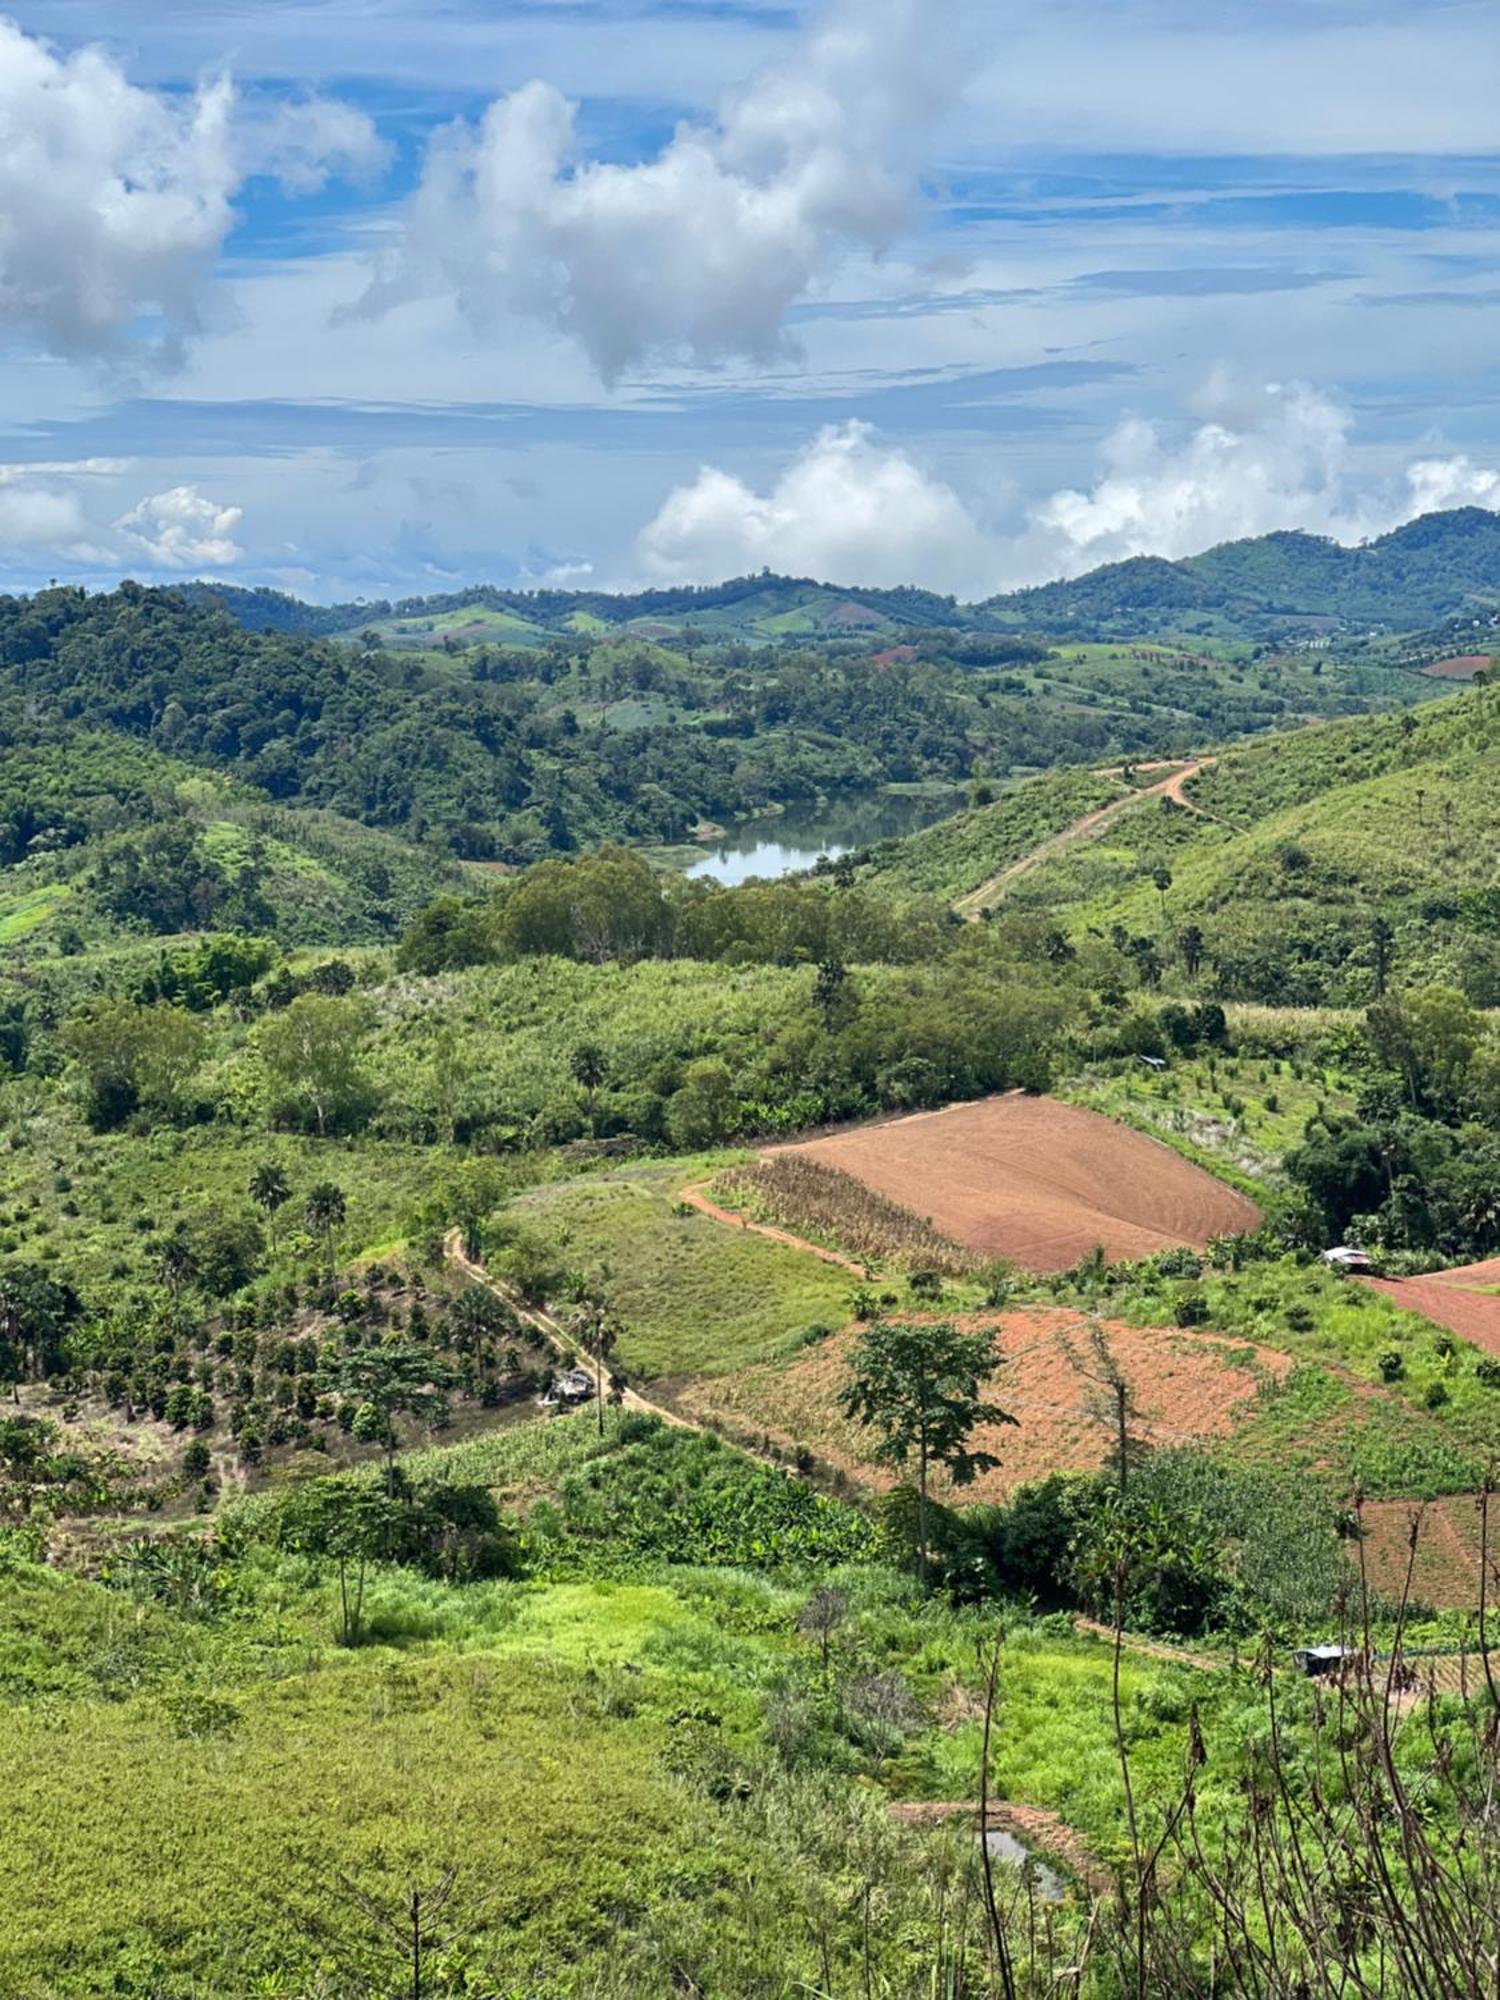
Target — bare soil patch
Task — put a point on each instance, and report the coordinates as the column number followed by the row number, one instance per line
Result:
column 1189, row 1387
column 1446, row 1570
column 1461, row 667
column 1461, row 1300
column 1038, row 1181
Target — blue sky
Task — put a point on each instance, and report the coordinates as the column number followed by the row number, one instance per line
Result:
column 367, row 299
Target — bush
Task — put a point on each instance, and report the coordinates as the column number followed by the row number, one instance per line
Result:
column 1392, row 1367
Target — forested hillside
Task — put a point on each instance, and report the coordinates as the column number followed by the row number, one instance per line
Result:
column 1271, row 587
column 480, row 749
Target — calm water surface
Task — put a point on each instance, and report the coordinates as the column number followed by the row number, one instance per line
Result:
column 793, row 840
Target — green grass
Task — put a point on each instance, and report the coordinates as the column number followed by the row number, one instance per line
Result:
column 958, row 854
column 696, row 1297
column 26, row 910
column 1237, row 1115
column 1301, row 839
column 141, row 1861
column 588, row 1756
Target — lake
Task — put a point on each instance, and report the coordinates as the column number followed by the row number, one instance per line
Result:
column 793, row 840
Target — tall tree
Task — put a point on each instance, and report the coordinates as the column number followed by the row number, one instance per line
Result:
column 395, row 1379
column 325, row 1210
column 311, row 1055
column 598, row 1333
column 590, row 1068
column 920, row 1388
column 270, row 1190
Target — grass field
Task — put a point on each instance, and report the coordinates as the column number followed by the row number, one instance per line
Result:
column 189, row 1804
column 26, row 910
column 696, row 1297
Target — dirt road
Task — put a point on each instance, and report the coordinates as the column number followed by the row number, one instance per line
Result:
column 556, row 1335
column 985, row 897
column 697, row 1197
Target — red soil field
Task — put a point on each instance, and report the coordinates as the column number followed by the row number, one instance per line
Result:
column 1446, row 1571
column 1041, row 1182
column 1462, row 667
column 1188, row 1387
column 1466, row 1300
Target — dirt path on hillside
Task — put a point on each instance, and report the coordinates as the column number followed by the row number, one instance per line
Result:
column 988, row 893
column 1154, row 1649
column 556, row 1335
column 697, row 1197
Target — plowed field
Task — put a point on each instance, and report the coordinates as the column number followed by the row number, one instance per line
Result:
column 1188, row 1387
column 1446, row 1571
column 1041, row 1182
column 1466, row 1300
column 1461, row 667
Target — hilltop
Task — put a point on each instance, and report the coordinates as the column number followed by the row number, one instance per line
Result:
column 1275, row 587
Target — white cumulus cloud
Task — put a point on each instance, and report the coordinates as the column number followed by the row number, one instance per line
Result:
column 846, row 510
column 697, row 253
column 851, row 509
column 181, row 530
column 115, row 200
column 42, row 507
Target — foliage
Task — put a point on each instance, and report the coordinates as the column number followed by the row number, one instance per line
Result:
column 683, row 1497
column 920, row 1387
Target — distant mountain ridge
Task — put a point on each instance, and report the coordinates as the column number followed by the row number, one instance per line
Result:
column 1268, row 587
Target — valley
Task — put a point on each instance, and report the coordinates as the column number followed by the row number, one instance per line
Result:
column 381, row 1040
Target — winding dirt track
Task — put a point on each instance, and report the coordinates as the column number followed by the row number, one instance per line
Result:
column 697, row 1197
column 556, row 1335
column 989, row 893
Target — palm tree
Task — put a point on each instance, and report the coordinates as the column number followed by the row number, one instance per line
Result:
column 590, row 1067
column 325, row 1209
column 270, row 1190
column 597, row 1331
column 176, row 1262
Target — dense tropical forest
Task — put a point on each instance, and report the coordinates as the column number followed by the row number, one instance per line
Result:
column 577, row 1429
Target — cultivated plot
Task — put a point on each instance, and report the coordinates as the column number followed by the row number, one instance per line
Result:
column 1038, row 1181
column 1185, row 1389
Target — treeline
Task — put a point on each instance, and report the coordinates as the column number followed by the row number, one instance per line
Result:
column 1416, row 1167
column 504, row 754
column 497, row 760
column 611, row 907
